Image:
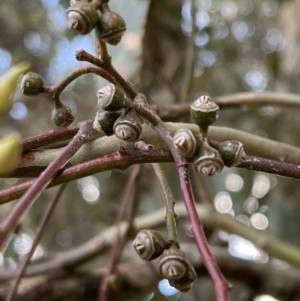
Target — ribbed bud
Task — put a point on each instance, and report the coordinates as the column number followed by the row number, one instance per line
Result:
column 204, row 112
column 185, row 283
column 128, row 127
column 209, row 162
column 186, row 143
column 112, row 98
column 105, row 120
column 111, row 26
column 82, row 17
column 32, row 84
column 232, row 152
column 149, row 244
column 174, row 264
column 62, row 116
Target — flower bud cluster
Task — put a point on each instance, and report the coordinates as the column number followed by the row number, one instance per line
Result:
column 207, row 160
column 85, row 15
column 115, row 115
column 174, row 264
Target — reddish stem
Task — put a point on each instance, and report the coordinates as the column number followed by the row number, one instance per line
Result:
column 220, row 283
column 11, row 221
column 22, row 267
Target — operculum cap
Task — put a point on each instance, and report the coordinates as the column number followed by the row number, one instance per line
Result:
column 149, row 244
column 185, row 283
column 128, row 127
column 174, row 264
column 186, row 142
column 209, row 161
column 112, row 98
column 204, row 112
column 82, row 17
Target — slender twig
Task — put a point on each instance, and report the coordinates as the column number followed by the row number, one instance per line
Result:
column 101, row 51
column 43, row 223
column 33, row 162
column 190, row 57
column 82, row 55
column 252, row 100
column 220, row 283
column 119, row 160
column 129, row 205
column 48, row 138
column 10, row 222
column 56, row 89
column 168, row 195
column 137, row 277
column 99, row 244
column 124, row 159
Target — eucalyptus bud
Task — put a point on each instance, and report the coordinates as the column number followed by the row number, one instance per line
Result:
column 174, row 264
column 62, row 116
column 111, row 26
column 185, row 283
column 32, row 84
column 149, row 244
column 232, row 152
column 209, row 161
column 204, row 112
column 186, row 142
column 112, row 98
column 105, row 120
column 82, row 17
column 128, row 127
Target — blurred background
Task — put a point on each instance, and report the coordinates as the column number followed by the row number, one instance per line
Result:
column 233, row 46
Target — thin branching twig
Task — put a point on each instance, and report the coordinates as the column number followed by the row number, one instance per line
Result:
column 43, row 223
column 38, row 186
column 128, row 204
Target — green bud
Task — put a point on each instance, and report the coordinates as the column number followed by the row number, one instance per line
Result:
column 174, row 264
column 128, row 127
column 204, row 112
column 62, row 116
column 187, row 143
column 82, row 17
column 105, row 120
column 112, row 98
column 185, row 283
column 209, row 161
column 111, row 26
column 149, row 244
column 32, row 84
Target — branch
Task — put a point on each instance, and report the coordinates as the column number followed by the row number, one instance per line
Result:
column 101, row 242
column 44, row 221
column 37, row 160
column 253, row 100
column 11, row 221
column 139, row 277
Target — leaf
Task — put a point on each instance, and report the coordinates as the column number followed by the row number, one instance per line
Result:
column 10, row 152
column 8, row 83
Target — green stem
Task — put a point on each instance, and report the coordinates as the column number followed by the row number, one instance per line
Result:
column 168, row 196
